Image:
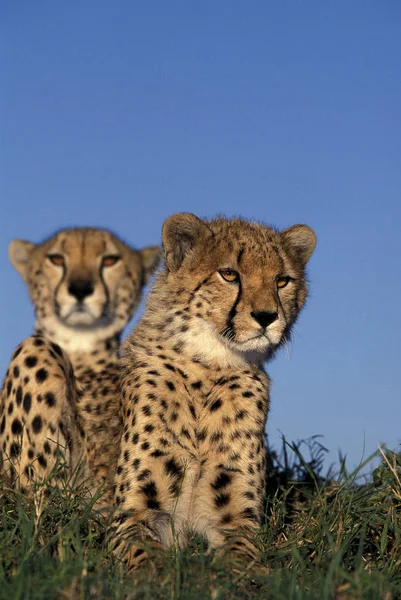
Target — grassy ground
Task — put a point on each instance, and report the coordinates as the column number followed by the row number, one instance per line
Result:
column 324, row 537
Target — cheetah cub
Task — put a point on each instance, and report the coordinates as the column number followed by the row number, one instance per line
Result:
column 194, row 393
column 59, row 396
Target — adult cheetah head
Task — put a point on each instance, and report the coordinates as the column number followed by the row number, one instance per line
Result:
column 246, row 282
column 83, row 280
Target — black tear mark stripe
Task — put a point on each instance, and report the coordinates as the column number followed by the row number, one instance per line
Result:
column 198, row 287
column 233, row 310
column 240, row 253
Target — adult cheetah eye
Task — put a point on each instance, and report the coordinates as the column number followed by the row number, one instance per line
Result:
column 229, row 275
column 56, row 259
column 109, row 261
column 283, row 281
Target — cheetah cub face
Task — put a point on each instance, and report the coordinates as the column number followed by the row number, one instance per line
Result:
column 83, row 281
column 247, row 284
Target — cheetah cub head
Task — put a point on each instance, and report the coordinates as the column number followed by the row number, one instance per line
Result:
column 84, row 283
column 246, row 284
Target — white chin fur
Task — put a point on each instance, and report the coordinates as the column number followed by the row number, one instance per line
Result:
column 206, row 343
column 79, row 318
column 259, row 344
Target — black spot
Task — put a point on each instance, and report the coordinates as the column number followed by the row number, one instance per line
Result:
column 157, row 453
column 215, row 405
column 10, row 408
column 126, row 456
column 27, row 402
column 16, row 427
column 46, row 447
column 146, row 410
column 153, row 503
column 201, row 435
column 19, row 396
column 16, row 372
column 149, row 428
column 135, row 438
column 38, row 342
column 42, row 461
column 37, row 424
column 144, row 475
column 222, row 500
column 57, row 349
column 15, row 449
column 248, row 394
column 31, row 361
column 17, row 352
column 227, row 518
column 41, row 375
column 9, row 387
column 222, row 480
column 149, row 489
column 145, row 446
column 196, row 385
column 31, row 454
column 50, row 399
column 259, row 404
column 136, row 463
column 173, row 468
column 170, row 385
column 249, row 513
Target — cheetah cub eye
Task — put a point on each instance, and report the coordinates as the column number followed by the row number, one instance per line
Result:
column 282, row 281
column 109, row 261
column 229, row 275
column 56, row 259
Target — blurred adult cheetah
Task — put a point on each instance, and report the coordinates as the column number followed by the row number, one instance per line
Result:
column 59, row 396
column 195, row 396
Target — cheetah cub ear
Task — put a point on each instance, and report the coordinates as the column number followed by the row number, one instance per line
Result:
column 300, row 241
column 19, row 252
column 180, row 234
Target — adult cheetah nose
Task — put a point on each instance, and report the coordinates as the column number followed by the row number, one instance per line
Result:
column 80, row 288
column 264, row 317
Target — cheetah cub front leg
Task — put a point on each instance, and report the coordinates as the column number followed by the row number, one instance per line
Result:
column 194, row 392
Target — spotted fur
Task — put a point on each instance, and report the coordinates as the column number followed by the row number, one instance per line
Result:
column 59, row 401
column 195, row 396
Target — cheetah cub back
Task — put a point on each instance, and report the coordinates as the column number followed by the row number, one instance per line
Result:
column 195, row 395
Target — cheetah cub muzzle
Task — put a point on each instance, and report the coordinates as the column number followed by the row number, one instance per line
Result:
column 194, row 393
column 59, row 403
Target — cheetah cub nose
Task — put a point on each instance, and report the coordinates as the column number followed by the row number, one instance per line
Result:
column 80, row 289
column 264, row 317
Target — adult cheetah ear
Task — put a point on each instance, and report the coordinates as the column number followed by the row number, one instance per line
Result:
column 300, row 240
column 19, row 252
column 150, row 260
column 180, row 234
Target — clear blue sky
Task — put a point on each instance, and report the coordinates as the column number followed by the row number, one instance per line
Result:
column 119, row 114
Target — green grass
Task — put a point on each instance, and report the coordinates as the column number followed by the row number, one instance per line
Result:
column 325, row 536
